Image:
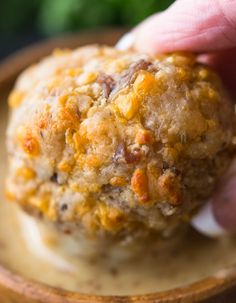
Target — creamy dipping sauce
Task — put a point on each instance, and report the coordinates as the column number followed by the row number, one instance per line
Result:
column 192, row 259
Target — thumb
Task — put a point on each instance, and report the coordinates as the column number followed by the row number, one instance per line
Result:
column 219, row 215
column 198, row 26
column 224, row 201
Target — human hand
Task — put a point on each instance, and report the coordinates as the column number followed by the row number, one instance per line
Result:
column 206, row 27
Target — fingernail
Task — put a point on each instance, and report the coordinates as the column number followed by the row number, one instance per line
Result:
column 205, row 222
column 126, row 42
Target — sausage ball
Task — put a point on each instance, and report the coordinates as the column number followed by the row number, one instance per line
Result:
column 117, row 143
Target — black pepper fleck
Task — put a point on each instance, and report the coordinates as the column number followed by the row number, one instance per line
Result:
column 54, row 178
column 64, row 207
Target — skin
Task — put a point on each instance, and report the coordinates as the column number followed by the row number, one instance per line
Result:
column 206, row 27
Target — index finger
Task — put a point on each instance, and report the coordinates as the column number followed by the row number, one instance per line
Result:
column 197, row 26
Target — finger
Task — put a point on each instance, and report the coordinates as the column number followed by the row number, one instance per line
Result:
column 199, row 26
column 219, row 214
column 224, row 204
column 224, row 62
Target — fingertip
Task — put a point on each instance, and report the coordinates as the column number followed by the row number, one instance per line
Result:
column 224, row 204
column 218, row 216
column 149, row 37
column 196, row 26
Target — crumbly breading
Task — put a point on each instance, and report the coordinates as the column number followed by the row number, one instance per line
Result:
column 106, row 142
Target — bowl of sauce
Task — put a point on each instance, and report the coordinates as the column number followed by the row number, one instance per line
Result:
column 194, row 270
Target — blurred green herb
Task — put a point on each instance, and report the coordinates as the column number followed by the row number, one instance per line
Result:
column 55, row 16
column 18, row 15
column 66, row 15
column 134, row 11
